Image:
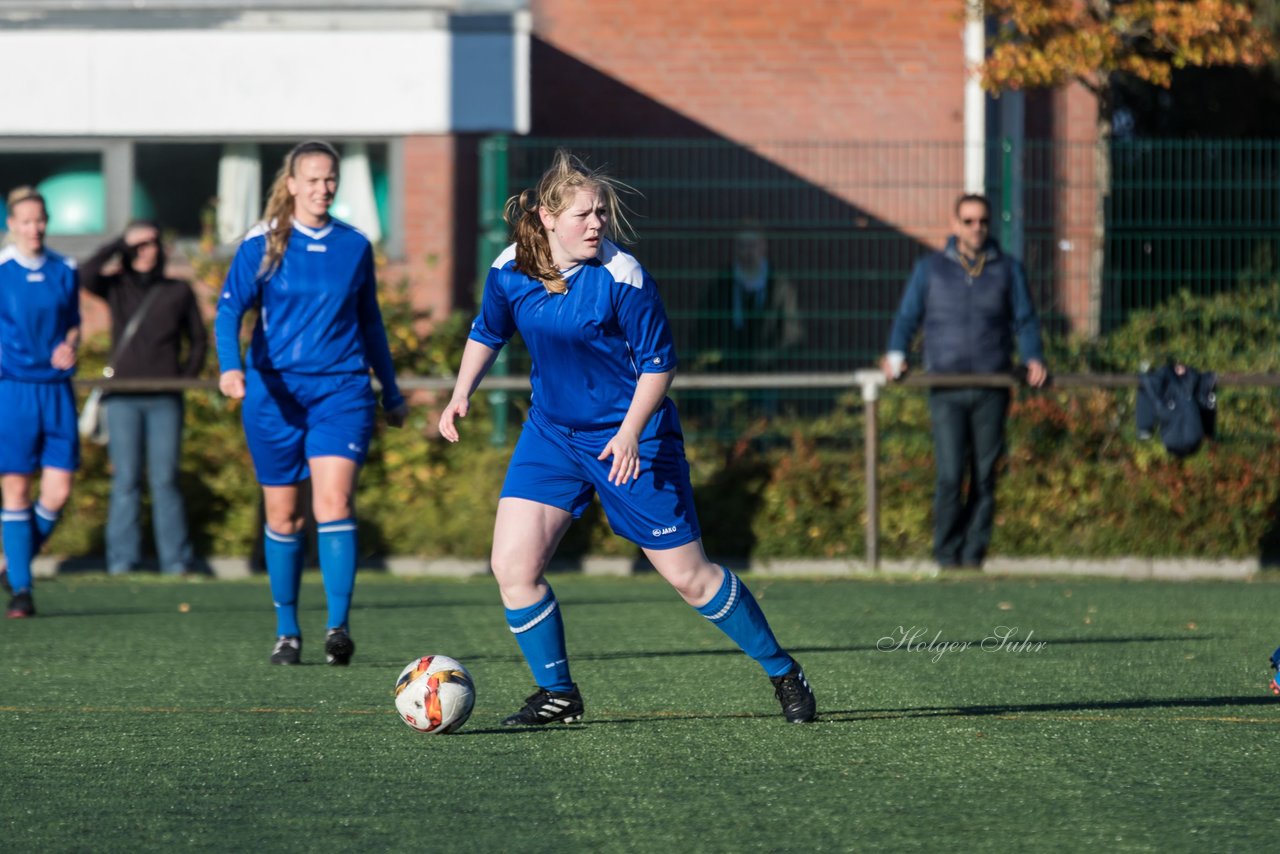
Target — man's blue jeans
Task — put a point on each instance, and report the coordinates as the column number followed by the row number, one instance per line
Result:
column 968, row 439
column 146, row 428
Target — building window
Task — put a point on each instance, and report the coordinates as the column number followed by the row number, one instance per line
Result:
column 175, row 184
column 190, row 187
column 72, row 183
column 195, row 190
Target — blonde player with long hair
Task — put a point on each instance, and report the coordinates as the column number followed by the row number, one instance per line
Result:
column 308, row 400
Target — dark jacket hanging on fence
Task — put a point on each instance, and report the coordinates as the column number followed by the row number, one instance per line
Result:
column 1182, row 403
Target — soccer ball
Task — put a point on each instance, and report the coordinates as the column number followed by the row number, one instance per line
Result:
column 435, row 694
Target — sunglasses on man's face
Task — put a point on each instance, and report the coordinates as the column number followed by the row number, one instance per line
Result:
column 144, row 244
column 971, row 221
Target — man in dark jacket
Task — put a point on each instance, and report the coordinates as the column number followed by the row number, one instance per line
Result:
column 145, row 429
column 972, row 301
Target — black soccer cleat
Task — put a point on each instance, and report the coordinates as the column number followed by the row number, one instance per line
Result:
column 288, row 650
column 21, row 605
column 792, row 690
column 548, row 707
column 338, row 647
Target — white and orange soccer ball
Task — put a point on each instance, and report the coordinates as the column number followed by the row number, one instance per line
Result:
column 435, row 694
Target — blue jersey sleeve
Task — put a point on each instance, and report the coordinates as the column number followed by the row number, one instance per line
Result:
column 72, row 316
column 374, row 334
column 495, row 324
column 241, row 291
column 644, row 324
column 39, row 306
column 1026, row 324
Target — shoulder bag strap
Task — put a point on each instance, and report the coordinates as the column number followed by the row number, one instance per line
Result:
column 131, row 329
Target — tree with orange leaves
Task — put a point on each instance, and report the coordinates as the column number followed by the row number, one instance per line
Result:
column 1044, row 43
column 1047, row 43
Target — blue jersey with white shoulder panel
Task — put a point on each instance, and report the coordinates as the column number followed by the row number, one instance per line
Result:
column 590, row 345
column 318, row 310
column 39, row 305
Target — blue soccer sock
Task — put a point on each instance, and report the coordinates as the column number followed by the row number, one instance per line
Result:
column 283, row 553
column 539, row 630
column 45, row 521
column 735, row 611
column 338, row 567
column 19, row 547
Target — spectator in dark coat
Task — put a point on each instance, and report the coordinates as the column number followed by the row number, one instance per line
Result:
column 972, row 301
column 146, row 427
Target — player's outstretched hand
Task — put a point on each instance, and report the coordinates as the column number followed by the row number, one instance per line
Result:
column 63, row 357
column 396, row 417
column 231, row 383
column 457, row 408
column 625, row 449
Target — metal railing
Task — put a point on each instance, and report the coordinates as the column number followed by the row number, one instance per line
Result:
column 870, row 382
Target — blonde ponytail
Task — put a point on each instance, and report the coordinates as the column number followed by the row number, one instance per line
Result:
column 533, row 251
column 278, row 213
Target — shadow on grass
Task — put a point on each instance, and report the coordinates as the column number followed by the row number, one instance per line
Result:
column 806, row 650
column 318, row 605
column 847, row 716
column 996, row 710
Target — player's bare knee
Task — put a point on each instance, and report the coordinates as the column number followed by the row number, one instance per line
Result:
column 696, row 582
column 287, row 524
column 521, row 586
column 54, row 497
column 332, row 508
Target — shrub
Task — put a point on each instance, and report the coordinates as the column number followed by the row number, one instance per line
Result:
column 1076, row 481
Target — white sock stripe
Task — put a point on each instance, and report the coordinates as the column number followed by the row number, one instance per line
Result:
column 728, row 606
column 546, row 612
column 335, row 527
column 282, row 538
column 15, row 516
column 46, row 514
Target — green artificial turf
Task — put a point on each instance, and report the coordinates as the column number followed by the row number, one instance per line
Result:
column 1143, row 723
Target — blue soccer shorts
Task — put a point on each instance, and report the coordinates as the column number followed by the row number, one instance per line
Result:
column 291, row 418
column 557, row 466
column 40, row 427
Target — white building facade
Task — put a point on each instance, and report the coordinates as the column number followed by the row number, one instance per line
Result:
column 181, row 110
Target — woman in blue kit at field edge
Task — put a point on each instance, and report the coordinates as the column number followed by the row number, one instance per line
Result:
column 39, row 339
column 600, row 423
column 308, row 400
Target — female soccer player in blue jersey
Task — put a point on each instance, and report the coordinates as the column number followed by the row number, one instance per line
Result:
column 308, row 401
column 39, row 336
column 600, row 423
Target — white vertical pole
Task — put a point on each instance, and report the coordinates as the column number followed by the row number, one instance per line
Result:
column 522, row 109
column 975, row 100
column 871, row 380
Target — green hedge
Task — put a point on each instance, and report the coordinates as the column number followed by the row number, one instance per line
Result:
column 1076, row 482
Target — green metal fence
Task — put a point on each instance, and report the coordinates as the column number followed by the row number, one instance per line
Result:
column 845, row 222
column 1197, row 215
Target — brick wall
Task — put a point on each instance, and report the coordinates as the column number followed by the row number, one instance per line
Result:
column 752, row 69
column 440, row 217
